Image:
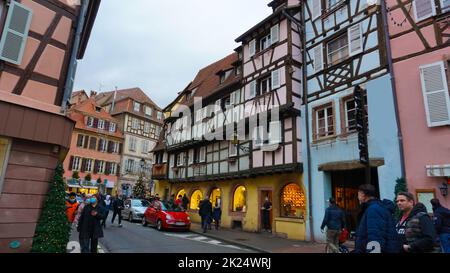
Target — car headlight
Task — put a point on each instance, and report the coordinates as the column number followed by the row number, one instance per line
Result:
column 168, row 217
column 189, row 218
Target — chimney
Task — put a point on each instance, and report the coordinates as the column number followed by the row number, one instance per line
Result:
column 93, row 93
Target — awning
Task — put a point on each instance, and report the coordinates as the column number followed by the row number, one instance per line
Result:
column 438, row 170
column 349, row 165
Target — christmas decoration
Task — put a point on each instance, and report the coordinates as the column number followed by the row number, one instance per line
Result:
column 53, row 229
column 139, row 188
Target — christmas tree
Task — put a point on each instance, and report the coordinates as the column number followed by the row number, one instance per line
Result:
column 139, row 188
column 53, row 229
column 400, row 186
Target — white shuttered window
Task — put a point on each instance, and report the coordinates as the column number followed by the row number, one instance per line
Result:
column 318, row 58
column 252, row 47
column 15, row 33
column 435, row 94
column 355, row 39
column 275, row 34
column 276, row 79
column 252, row 89
column 316, row 8
column 424, row 9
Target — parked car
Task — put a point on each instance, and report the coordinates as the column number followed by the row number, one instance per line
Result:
column 134, row 209
column 160, row 215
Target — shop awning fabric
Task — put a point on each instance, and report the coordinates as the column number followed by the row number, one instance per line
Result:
column 438, row 170
column 349, row 165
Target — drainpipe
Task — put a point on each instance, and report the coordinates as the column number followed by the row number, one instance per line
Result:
column 394, row 89
column 300, row 26
column 73, row 58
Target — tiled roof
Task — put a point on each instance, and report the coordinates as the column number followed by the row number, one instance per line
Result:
column 207, row 81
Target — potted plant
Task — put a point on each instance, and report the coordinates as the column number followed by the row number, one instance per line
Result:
column 88, row 178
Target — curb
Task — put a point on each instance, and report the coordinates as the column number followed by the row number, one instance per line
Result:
column 231, row 241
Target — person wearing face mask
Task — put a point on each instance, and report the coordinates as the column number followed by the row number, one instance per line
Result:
column 89, row 226
column 71, row 207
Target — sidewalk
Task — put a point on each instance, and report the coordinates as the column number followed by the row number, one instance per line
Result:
column 263, row 242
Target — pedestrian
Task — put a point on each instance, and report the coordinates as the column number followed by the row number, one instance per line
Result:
column 81, row 206
column 185, row 202
column 107, row 203
column 171, row 202
column 179, row 201
column 89, row 227
column 71, row 207
column 217, row 212
column 117, row 209
column 266, row 208
column 376, row 230
column 205, row 211
column 441, row 217
column 157, row 197
column 334, row 220
column 415, row 226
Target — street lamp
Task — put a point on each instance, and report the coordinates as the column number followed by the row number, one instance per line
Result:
column 444, row 189
column 235, row 140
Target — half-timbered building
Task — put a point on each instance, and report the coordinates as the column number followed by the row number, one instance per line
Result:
column 345, row 44
column 40, row 43
column 141, row 120
column 419, row 34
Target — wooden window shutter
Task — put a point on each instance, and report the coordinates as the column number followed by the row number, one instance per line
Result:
column 275, row 132
column 354, row 40
column 252, row 89
column 100, row 144
column 232, row 98
column 95, row 125
column 424, row 9
column 93, row 143
column 107, row 168
column 275, row 34
column 118, row 170
column 318, row 58
column 120, row 148
column 435, row 94
column 172, row 160
column 96, row 165
column 83, row 165
column 15, row 33
column 86, row 142
column 80, row 140
column 164, row 158
column 191, row 156
column 252, row 47
column 316, row 9
column 110, row 146
column 276, row 79
column 70, row 163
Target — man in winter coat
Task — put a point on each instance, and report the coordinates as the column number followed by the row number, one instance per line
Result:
column 441, row 217
column 334, row 220
column 185, row 202
column 89, row 226
column 117, row 209
column 415, row 227
column 376, row 230
column 205, row 211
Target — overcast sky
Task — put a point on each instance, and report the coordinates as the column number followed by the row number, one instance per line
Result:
column 159, row 46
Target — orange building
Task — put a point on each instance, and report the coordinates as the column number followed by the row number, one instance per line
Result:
column 40, row 43
column 94, row 150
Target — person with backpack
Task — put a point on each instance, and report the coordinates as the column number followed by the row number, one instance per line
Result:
column 334, row 220
column 441, row 217
column 376, row 230
column 415, row 227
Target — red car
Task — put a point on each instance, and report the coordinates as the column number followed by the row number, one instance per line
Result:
column 158, row 214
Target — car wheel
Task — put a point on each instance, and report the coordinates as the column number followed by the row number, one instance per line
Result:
column 130, row 217
column 144, row 222
column 159, row 225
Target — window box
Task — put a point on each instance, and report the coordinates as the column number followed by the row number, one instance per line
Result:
column 270, row 147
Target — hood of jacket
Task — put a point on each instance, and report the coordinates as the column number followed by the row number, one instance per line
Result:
column 389, row 205
column 419, row 207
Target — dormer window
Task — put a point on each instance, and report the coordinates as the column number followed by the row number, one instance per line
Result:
column 265, row 42
column 225, row 75
column 98, row 109
column 148, row 111
column 137, row 107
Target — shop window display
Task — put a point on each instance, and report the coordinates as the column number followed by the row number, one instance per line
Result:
column 196, row 197
column 240, row 199
column 293, row 203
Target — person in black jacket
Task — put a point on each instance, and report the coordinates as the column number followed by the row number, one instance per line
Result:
column 441, row 217
column 89, row 226
column 117, row 209
column 334, row 220
column 205, row 211
column 376, row 230
column 415, row 227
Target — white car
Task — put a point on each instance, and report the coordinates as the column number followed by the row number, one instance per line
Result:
column 134, row 209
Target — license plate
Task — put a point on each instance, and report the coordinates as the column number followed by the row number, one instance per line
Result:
column 180, row 224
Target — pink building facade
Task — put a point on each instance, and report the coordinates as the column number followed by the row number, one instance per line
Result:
column 420, row 47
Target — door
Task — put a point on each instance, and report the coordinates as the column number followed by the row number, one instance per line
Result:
column 262, row 200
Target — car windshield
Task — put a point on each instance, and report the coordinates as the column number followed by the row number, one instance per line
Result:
column 166, row 207
column 140, row 203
